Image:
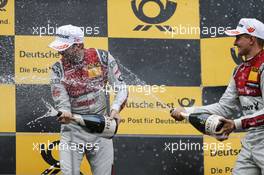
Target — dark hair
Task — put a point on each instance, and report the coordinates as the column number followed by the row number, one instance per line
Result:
column 260, row 41
column 80, row 45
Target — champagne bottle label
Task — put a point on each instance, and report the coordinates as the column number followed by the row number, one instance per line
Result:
column 97, row 124
column 79, row 119
column 110, row 128
column 206, row 122
column 212, row 124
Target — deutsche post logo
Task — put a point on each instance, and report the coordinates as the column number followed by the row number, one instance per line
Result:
column 186, row 102
column 2, row 5
column 165, row 13
column 46, row 154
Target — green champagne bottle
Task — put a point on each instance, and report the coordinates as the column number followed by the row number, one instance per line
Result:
column 97, row 124
column 206, row 123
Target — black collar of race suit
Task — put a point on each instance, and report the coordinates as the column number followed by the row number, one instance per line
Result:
column 252, row 60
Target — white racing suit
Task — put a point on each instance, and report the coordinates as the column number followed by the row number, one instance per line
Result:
column 82, row 88
column 245, row 92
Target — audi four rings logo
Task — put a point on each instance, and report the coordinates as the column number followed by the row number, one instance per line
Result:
column 165, row 13
column 2, row 5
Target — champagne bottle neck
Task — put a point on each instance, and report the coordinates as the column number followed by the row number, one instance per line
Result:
column 78, row 119
column 185, row 115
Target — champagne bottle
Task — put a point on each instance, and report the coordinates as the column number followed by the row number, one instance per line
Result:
column 97, row 124
column 204, row 122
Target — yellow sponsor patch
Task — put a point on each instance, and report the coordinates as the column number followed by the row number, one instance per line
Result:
column 253, row 74
column 94, row 72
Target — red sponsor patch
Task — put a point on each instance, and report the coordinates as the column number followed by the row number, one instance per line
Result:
column 64, row 46
column 253, row 122
column 250, row 29
column 84, row 103
column 234, row 32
